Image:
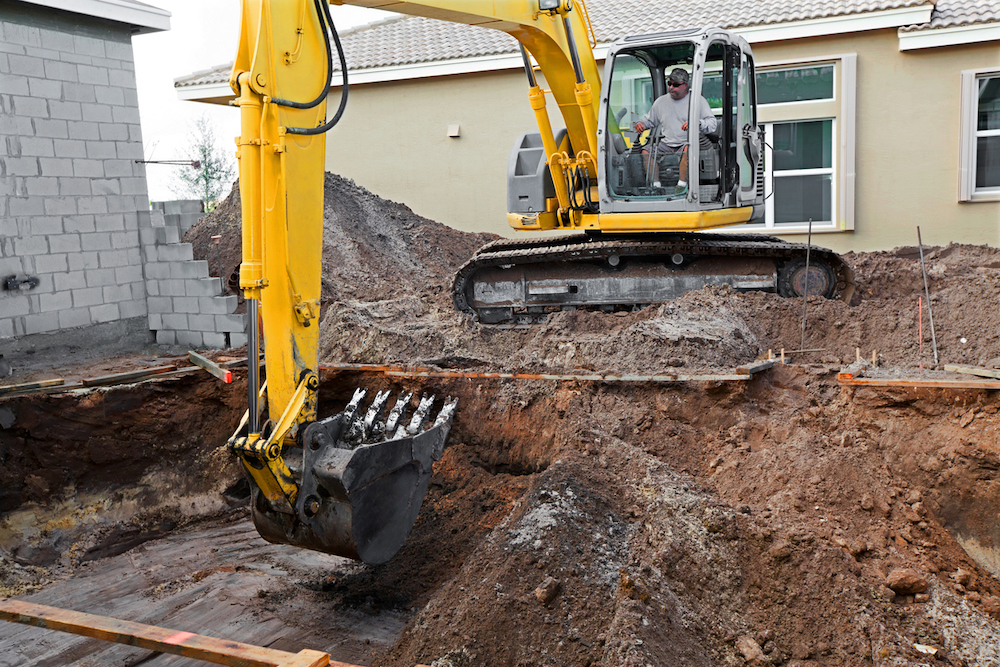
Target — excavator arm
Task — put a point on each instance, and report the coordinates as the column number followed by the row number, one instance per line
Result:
column 350, row 484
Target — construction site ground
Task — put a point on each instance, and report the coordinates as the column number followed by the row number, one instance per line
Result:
column 789, row 519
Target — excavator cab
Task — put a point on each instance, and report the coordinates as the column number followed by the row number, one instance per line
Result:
column 723, row 167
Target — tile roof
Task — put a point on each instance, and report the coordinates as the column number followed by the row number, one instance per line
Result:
column 955, row 13
column 404, row 40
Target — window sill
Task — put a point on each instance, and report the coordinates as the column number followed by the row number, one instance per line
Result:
column 981, row 197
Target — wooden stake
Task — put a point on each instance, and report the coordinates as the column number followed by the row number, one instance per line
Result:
column 782, row 355
column 874, row 357
column 857, row 354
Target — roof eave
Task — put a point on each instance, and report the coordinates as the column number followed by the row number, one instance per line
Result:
column 142, row 18
column 952, row 36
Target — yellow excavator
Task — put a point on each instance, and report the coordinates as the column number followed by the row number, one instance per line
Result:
column 630, row 234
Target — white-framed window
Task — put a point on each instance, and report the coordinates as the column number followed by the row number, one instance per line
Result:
column 807, row 108
column 979, row 153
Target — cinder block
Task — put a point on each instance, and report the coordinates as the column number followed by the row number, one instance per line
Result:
column 218, row 305
column 65, row 110
column 134, row 185
column 100, row 277
column 15, row 85
column 105, row 313
column 166, row 337
column 165, row 235
column 186, row 304
column 70, row 280
column 118, row 168
column 110, row 222
column 133, row 308
column 74, row 317
column 175, row 321
column 64, row 243
column 87, row 296
column 101, row 150
column 82, row 224
column 14, row 305
column 125, row 240
column 214, row 341
column 160, row 305
column 155, row 321
column 84, row 260
column 43, row 186
column 56, row 40
column 232, row 323
column 21, row 166
column 112, row 96
column 7, row 327
column 48, row 303
column 31, row 245
column 156, row 270
column 179, row 206
column 93, row 205
column 86, row 130
column 70, row 148
column 37, row 147
column 139, row 292
column 147, row 236
column 40, row 322
column 54, row 166
column 203, row 287
column 55, row 129
column 153, row 288
column 113, row 258
column 77, row 92
column 201, row 322
column 117, row 293
column 193, row 269
column 93, row 75
column 127, row 150
column 174, row 287
column 62, row 206
column 51, row 263
column 77, row 187
column 50, row 89
column 46, row 224
column 192, row 339
column 26, row 206
column 176, row 252
column 22, row 65
column 128, row 274
column 189, row 220
column 237, row 340
column 106, row 186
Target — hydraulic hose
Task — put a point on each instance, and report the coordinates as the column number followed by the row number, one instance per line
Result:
column 323, row 11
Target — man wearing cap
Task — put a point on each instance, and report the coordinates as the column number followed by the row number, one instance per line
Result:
column 670, row 113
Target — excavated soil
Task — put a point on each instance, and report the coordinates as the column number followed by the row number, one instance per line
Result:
column 785, row 520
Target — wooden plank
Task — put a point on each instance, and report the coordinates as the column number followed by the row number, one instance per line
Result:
column 131, row 376
column 756, row 366
column 973, row 370
column 27, row 387
column 154, row 638
column 393, row 371
column 928, row 384
column 223, row 374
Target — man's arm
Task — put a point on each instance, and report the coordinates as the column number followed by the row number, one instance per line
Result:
column 707, row 122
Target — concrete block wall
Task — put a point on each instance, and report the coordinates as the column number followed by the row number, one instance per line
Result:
column 186, row 306
column 70, row 189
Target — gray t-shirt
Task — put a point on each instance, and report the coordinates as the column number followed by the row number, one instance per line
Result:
column 670, row 114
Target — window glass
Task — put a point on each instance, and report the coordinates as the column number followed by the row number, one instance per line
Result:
column 798, row 199
column 988, row 162
column 803, row 145
column 989, row 104
column 631, row 88
column 795, row 85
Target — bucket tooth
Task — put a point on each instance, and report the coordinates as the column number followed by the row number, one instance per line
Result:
column 357, row 499
column 398, row 412
column 374, row 414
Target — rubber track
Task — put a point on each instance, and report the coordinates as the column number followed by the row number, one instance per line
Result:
column 583, row 248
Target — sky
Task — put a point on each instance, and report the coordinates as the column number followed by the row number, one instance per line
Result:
column 202, row 35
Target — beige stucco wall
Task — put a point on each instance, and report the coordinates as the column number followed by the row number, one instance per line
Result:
column 907, row 141
column 393, row 140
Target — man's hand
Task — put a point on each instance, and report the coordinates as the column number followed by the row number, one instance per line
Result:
column 640, row 126
column 684, row 126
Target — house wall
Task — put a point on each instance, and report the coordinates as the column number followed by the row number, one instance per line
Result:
column 393, row 140
column 907, row 142
column 70, row 191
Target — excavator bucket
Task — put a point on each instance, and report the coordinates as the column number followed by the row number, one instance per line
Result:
column 363, row 474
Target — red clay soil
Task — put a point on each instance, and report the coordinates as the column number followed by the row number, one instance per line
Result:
column 784, row 520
